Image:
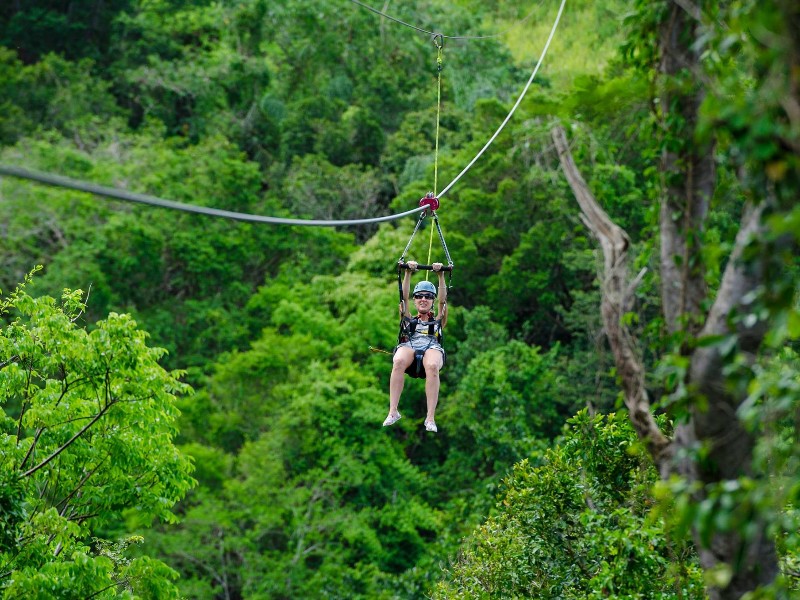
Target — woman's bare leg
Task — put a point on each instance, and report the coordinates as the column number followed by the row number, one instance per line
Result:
column 403, row 358
column 433, row 362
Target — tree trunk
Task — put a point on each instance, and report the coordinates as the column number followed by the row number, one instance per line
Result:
column 754, row 562
column 729, row 445
column 689, row 177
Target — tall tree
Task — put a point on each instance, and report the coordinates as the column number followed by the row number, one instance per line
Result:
column 717, row 334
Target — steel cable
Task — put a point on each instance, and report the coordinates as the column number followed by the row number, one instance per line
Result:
column 99, row 190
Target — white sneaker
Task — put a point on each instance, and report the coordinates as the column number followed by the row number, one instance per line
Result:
column 431, row 426
column 391, row 420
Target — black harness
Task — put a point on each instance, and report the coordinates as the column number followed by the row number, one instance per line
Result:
column 408, row 327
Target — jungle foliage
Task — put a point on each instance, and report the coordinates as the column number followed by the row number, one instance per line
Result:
column 190, row 407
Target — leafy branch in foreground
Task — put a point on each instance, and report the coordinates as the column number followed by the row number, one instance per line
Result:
column 86, row 430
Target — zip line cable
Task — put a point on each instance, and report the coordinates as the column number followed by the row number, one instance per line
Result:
column 516, row 104
column 91, row 188
column 99, row 190
column 449, row 37
column 396, row 20
column 439, row 43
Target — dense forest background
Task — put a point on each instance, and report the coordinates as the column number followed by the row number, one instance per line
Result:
column 190, row 405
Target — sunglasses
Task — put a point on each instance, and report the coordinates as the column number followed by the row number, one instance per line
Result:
column 424, row 296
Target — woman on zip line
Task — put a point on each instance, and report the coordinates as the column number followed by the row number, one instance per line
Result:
column 420, row 334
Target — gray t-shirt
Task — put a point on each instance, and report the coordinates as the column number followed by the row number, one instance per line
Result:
column 421, row 338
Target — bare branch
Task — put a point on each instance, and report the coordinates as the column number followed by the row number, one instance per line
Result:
column 738, row 279
column 32, row 446
column 41, row 429
column 731, row 445
column 85, row 303
column 82, row 518
column 80, row 484
column 631, row 290
column 108, row 587
column 615, row 291
column 10, row 359
column 69, row 442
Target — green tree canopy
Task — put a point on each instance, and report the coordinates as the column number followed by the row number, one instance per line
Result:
column 88, row 422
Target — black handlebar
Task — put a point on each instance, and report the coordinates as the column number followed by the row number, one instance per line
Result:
column 444, row 268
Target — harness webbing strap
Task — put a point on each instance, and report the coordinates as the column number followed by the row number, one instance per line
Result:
column 422, row 216
column 441, row 239
column 430, row 248
column 444, row 246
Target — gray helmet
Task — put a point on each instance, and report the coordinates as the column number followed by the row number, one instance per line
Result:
column 425, row 286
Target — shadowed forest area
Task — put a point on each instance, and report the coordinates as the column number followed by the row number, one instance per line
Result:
column 190, row 406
